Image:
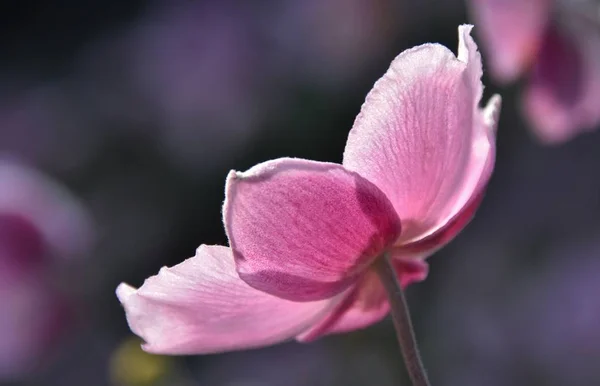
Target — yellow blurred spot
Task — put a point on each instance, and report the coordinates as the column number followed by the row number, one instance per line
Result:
column 131, row 366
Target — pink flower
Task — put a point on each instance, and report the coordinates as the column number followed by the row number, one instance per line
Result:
column 560, row 53
column 304, row 234
column 39, row 223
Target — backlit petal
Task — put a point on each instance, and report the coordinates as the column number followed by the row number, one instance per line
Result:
column 421, row 137
column 202, row 306
column 430, row 244
column 305, row 230
column 427, row 246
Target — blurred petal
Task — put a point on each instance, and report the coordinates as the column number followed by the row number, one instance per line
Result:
column 367, row 303
column 305, row 230
column 511, row 31
column 561, row 98
column 60, row 218
column 421, row 138
column 33, row 317
column 21, row 247
column 202, row 306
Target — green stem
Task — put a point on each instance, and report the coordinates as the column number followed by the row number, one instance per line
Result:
column 402, row 322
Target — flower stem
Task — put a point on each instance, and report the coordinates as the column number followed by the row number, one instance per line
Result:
column 402, row 322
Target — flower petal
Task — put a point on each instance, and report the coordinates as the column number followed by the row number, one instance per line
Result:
column 512, row 31
column 21, row 248
column 421, row 137
column 561, row 97
column 305, row 230
column 428, row 245
column 202, row 306
column 367, row 303
column 34, row 317
column 61, row 219
column 432, row 243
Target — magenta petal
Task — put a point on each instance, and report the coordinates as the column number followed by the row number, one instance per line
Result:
column 21, row 247
column 410, row 271
column 421, row 137
column 364, row 305
column 367, row 303
column 305, row 230
column 202, row 306
column 512, row 31
column 561, row 97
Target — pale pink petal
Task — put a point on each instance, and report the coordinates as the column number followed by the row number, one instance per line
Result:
column 305, row 230
column 427, row 246
column 60, row 217
column 421, row 137
column 202, row 306
column 561, row 97
column 511, row 31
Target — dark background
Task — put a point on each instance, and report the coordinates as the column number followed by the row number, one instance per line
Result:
column 141, row 108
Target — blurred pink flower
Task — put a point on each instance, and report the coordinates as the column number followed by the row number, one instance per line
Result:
column 304, row 234
column 558, row 47
column 39, row 222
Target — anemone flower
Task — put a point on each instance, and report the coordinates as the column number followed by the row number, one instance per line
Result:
column 556, row 46
column 40, row 223
column 308, row 239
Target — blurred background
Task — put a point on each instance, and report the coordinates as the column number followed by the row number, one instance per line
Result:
column 119, row 121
